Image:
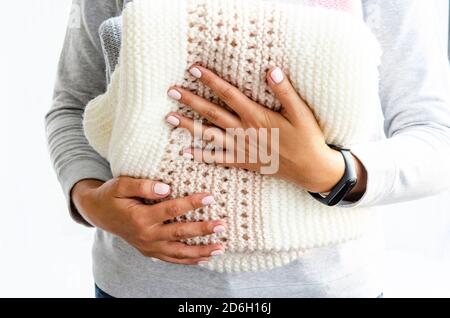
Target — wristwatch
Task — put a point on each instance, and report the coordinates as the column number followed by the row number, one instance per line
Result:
column 345, row 185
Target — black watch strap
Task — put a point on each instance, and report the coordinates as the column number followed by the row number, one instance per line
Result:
column 345, row 185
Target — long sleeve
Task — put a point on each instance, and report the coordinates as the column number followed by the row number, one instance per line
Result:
column 80, row 78
column 414, row 160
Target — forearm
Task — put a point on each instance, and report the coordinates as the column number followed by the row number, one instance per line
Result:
column 72, row 157
column 412, row 164
column 80, row 78
column 414, row 160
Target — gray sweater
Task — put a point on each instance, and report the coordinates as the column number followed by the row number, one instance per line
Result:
column 411, row 163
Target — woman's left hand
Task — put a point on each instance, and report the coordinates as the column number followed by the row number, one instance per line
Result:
column 302, row 153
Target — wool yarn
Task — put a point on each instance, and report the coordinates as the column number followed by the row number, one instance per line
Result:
column 110, row 33
column 331, row 58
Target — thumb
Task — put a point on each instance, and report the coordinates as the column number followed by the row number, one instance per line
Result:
column 126, row 187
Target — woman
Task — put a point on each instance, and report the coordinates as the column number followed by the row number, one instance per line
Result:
column 409, row 164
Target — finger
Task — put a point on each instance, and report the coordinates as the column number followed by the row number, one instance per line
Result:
column 217, row 115
column 168, row 210
column 292, row 104
column 126, row 187
column 180, row 231
column 215, row 135
column 187, row 261
column 221, row 158
column 232, row 96
column 180, row 250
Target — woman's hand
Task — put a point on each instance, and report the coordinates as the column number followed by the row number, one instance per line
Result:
column 304, row 157
column 116, row 206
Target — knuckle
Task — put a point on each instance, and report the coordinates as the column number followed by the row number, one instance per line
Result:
column 265, row 120
column 173, row 209
column 175, row 253
column 204, row 251
column 227, row 94
column 179, row 232
column 180, row 254
column 207, row 80
column 205, row 228
column 120, row 185
column 193, row 202
column 136, row 220
column 212, row 115
column 284, row 91
column 188, row 98
column 143, row 187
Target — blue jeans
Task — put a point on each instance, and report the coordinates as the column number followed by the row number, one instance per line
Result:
column 101, row 294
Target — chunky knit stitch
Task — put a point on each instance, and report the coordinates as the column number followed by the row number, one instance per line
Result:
column 110, row 33
column 111, row 30
column 331, row 58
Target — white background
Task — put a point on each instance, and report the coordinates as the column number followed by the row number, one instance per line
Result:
column 44, row 254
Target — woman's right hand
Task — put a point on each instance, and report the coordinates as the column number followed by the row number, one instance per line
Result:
column 116, row 206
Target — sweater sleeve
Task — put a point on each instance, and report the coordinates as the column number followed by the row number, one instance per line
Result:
column 414, row 160
column 80, row 78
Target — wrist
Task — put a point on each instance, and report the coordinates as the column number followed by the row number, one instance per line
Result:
column 321, row 172
column 81, row 195
column 330, row 169
column 324, row 171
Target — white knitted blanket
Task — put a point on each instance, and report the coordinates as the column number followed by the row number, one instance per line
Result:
column 331, row 58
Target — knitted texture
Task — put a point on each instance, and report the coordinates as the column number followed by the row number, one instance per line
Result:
column 110, row 33
column 331, row 58
column 110, row 30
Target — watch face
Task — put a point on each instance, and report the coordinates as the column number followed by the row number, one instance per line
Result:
column 351, row 183
column 341, row 191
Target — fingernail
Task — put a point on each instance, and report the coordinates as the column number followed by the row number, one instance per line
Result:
column 277, row 75
column 161, row 189
column 187, row 154
column 219, row 229
column 173, row 121
column 173, row 93
column 195, row 72
column 217, row 253
column 208, row 200
column 202, row 263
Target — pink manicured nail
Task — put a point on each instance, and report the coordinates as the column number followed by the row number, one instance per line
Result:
column 187, row 154
column 208, row 200
column 161, row 188
column 202, row 263
column 173, row 121
column 195, row 72
column 277, row 75
column 173, row 93
column 219, row 229
column 217, row 253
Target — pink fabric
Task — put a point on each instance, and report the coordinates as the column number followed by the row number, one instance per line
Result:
column 343, row 5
